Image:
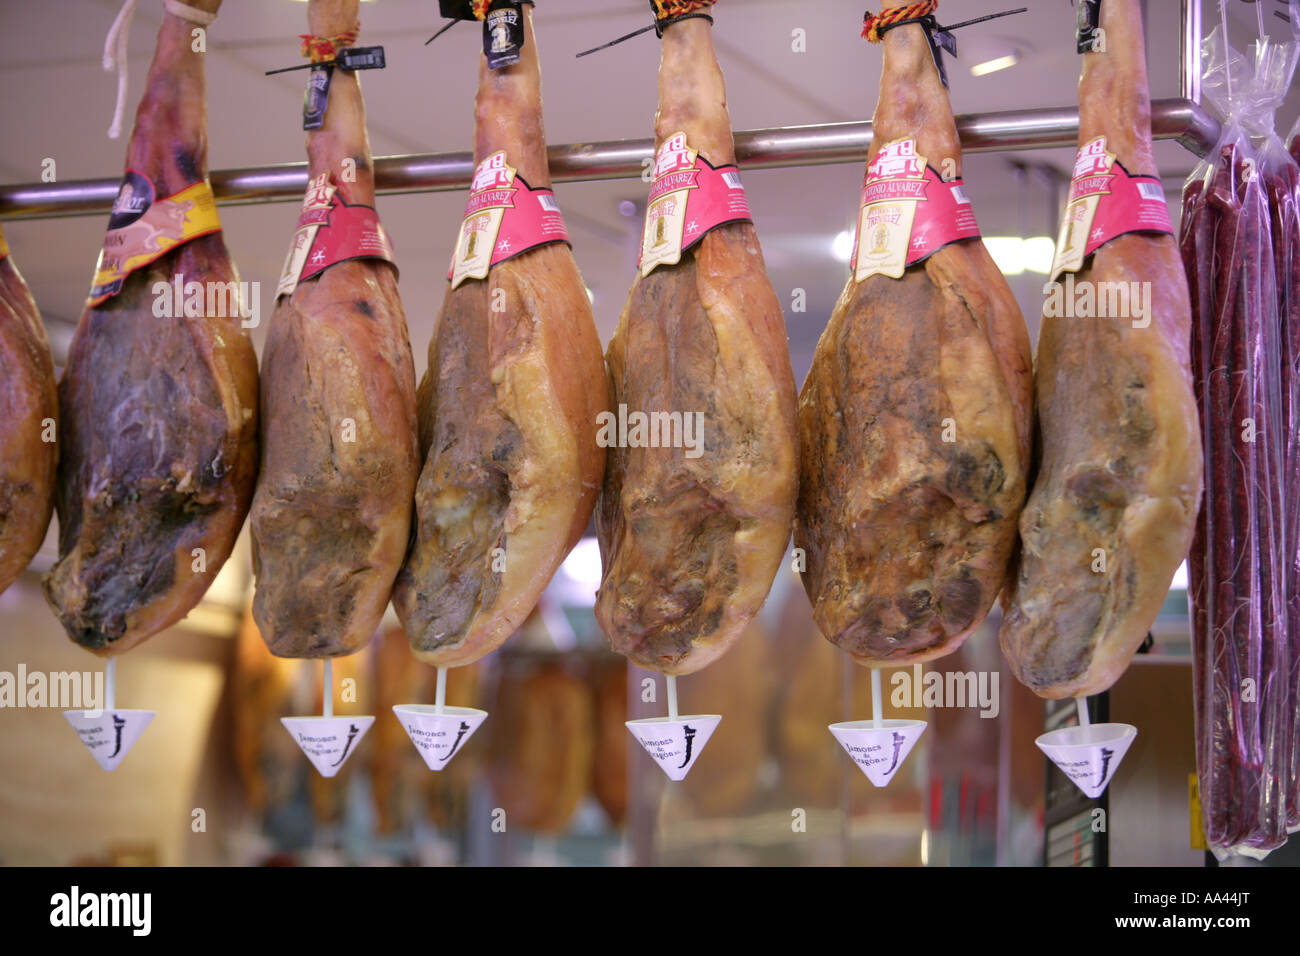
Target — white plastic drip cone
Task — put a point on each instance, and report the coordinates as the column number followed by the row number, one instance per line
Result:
column 328, row 742
column 1089, row 755
column 109, row 735
column 878, row 749
column 438, row 734
column 675, row 743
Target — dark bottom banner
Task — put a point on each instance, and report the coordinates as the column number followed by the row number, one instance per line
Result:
column 126, row 907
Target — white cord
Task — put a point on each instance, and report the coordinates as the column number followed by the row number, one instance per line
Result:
column 178, row 9
column 115, row 58
column 115, row 48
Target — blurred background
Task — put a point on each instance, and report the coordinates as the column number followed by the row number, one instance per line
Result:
column 772, row 787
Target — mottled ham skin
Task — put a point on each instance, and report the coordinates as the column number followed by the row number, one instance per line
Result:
column 1117, row 426
column 508, row 412
column 332, row 513
column 690, row 545
column 158, row 416
column 915, row 422
column 28, row 397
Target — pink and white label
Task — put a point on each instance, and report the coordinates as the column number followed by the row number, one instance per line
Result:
column 504, row 217
column 331, row 231
column 908, row 213
column 689, row 198
column 1106, row 202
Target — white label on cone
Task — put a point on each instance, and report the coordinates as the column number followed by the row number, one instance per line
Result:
column 109, row 735
column 1088, row 755
column 879, row 751
column 674, row 744
column 438, row 736
column 328, row 742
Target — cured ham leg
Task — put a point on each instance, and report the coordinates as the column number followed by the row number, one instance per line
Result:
column 690, row 544
column 508, row 412
column 1121, row 466
column 332, row 513
column 915, row 420
column 28, row 400
column 158, row 416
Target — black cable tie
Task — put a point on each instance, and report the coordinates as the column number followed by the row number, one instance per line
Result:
column 442, row 31
column 940, row 37
column 353, row 58
column 466, row 18
column 622, row 39
column 658, row 27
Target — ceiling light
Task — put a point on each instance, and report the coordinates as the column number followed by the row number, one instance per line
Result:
column 1007, row 253
column 992, row 66
column 627, row 208
column 1015, row 256
column 583, row 566
column 1038, row 254
column 842, row 246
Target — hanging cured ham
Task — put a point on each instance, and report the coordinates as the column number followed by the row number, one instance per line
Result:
column 1111, row 513
column 157, row 413
column 916, row 416
column 540, row 746
column 698, row 500
column 29, row 408
column 509, row 403
column 332, row 513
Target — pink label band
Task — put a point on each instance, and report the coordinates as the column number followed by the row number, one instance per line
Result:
column 1106, row 202
column 347, row 232
column 908, row 213
column 331, row 231
column 690, row 197
column 504, row 218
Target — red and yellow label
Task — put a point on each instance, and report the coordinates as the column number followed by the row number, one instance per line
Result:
column 4, row 246
column 142, row 228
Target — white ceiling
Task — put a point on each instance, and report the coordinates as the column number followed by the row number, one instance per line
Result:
column 59, row 102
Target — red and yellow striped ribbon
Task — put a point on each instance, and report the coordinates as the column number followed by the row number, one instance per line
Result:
column 872, row 22
column 322, row 49
column 667, row 9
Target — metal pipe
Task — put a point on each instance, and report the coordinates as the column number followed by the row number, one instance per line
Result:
column 1189, row 51
column 624, row 159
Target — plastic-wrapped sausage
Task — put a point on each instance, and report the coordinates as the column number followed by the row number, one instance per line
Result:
column 1282, row 176
column 1242, row 660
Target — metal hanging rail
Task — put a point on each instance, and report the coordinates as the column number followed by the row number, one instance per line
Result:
column 1181, row 119
column 1177, row 119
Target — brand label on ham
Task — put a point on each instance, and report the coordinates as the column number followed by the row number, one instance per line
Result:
column 908, row 213
column 688, row 199
column 504, row 217
column 141, row 228
column 4, row 247
column 1105, row 202
column 331, row 231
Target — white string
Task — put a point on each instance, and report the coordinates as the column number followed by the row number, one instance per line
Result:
column 192, row 14
column 115, row 48
column 115, row 58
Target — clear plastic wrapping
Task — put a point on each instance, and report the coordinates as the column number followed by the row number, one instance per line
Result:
column 1288, row 217
column 1243, row 555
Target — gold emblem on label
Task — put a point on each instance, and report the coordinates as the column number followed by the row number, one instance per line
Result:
column 661, row 231
column 880, row 236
